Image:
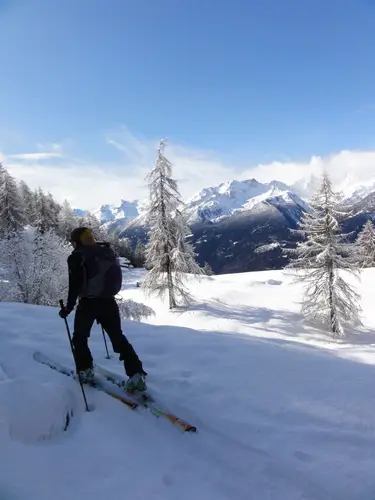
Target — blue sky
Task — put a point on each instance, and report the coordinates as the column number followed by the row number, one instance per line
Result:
column 235, row 83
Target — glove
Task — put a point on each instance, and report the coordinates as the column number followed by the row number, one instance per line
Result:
column 64, row 313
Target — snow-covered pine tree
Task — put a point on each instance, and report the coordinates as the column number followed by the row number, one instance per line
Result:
column 33, row 267
column 169, row 256
column 207, row 269
column 2, row 172
column 12, row 215
column 55, row 209
column 322, row 260
column 45, row 214
column 122, row 246
column 67, row 221
column 365, row 245
column 139, row 254
column 94, row 224
column 28, row 198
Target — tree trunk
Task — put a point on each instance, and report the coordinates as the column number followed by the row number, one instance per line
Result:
column 334, row 326
column 172, row 299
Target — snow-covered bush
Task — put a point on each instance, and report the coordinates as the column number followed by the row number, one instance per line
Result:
column 129, row 309
column 33, row 267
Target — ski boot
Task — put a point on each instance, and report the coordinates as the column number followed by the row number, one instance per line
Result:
column 136, row 383
column 87, row 376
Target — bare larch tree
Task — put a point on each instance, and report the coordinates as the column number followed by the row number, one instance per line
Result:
column 169, row 255
column 322, row 259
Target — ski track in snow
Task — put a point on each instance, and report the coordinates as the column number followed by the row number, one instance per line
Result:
column 282, row 411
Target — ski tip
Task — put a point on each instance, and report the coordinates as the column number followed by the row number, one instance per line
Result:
column 190, row 428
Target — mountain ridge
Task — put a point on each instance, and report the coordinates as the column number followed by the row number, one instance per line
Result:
column 240, row 226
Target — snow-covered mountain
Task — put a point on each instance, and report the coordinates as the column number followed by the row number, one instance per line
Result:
column 358, row 193
column 124, row 212
column 213, row 204
column 231, row 222
column 233, row 197
column 79, row 212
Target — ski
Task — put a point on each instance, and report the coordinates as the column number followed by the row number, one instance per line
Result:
column 120, row 382
column 96, row 384
column 133, row 401
column 144, row 399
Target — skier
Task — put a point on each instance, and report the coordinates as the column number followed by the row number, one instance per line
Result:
column 95, row 277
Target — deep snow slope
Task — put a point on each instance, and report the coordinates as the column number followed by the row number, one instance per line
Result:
column 282, row 412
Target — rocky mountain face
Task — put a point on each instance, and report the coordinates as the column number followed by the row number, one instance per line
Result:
column 240, row 226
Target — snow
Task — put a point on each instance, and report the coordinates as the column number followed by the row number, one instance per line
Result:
column 126, row 211
column 267, row 248
column 210, row 204
column 354, row 192
column 234, row 197
column 282, row 411
column 49, row 407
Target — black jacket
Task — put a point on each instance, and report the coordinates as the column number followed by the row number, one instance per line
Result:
column 76, row 278
column 94, row 271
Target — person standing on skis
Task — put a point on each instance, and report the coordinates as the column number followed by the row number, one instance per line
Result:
column 95, row 277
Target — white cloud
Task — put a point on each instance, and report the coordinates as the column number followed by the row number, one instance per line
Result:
column 35, row 156
column 45, row 152
column 347, row 169
column 88, row 186
column 54, row 147
column 84, row 186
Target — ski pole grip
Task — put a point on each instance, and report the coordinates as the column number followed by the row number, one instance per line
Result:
column 61, row 303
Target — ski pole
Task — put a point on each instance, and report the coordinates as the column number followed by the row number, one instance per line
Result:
column 61, row 303
column 105, row 343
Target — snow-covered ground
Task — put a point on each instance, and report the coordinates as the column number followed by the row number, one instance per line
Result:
column 282, row 412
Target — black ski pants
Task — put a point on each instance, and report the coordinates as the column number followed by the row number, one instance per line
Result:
column 106, row 312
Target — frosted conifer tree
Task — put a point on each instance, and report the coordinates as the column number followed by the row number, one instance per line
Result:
column 94, row 224
column 33, row 267
column 139, row 254
column 365, row 245
column 45, row 214
column 54, row 209
column 323, row 258
column 12, row 215
column 2, row 172
column 169, row 256
column 67, row 221
column 28, row 199
column 207, row 269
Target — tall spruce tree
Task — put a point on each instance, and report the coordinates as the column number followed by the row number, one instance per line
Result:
column 45, row 216
column 365, row 245
column 95, row 225
column 54, row 209
column 322, row 260
column 139, row 254
column 67, row 221
column 12, row 214
column 28, row 199
column 169, row 256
